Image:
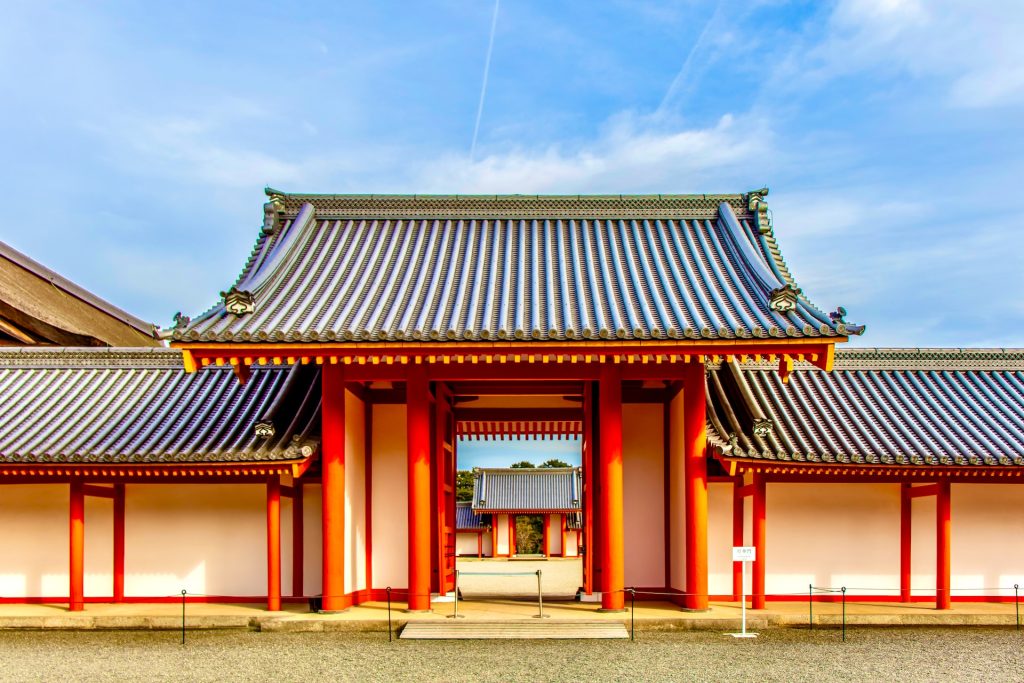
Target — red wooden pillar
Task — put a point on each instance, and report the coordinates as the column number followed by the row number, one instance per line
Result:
column 274, row 544
column 695, row 474
column 942, row 529
column 757, row 600
column 905, row 540
column 298, row 551
column 76, row 592
column 119, row 505
column 737, row 539
column 418, row 434
column 333, row 488
column 610, row 471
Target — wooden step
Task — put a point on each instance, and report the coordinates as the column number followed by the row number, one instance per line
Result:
column 533, row 630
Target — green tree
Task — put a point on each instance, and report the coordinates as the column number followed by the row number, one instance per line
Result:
column 555, row 462
column 523, row 465
column 464, row 485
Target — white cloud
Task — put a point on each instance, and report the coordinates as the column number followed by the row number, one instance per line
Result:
column 633, row 154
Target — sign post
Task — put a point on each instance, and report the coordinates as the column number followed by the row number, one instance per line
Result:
column 744, row 554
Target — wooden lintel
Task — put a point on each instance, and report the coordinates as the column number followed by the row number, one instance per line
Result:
column 97, row 491
column 921, row 491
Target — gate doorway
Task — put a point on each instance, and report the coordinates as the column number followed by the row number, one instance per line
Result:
column 530, row 535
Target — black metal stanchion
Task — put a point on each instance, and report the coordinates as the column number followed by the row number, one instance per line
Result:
column 388, row 589
column 810, row 606
column 183, row 617
column 1016, row 603
column 844, row 614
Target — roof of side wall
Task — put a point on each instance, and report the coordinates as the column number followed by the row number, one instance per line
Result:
column 368, row 268
column 896, row 407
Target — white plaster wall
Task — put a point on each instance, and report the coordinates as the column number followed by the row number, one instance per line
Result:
column 986, row 538
column 720, row 538
column 677, row 495
column 555, row 534
column 390, row 497
column 355, row 493
column 833, row 535
column 312, row 540
column 208, row 539
column 99, row 547
column 643, row 477
column 572, row 545
column 922, row 546
column 466, row 543
column 34, row 540
column 286, row 545
column 501, row 527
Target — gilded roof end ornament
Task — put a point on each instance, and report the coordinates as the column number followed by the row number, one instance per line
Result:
column 238, row 302
column 842, row 327
column 763, row 428
column 265, row 430
column 784, row 299
column 759, row 207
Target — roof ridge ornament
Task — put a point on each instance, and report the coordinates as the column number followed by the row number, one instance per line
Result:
column 181, row 321
column 784, row 299
column 763, row 428
column 238, row 302
column 842, row 327
column 759, row 208
column 273, row 211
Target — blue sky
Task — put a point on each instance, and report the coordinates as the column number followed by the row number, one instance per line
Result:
column 138, row 136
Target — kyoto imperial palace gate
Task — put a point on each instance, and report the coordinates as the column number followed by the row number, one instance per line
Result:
column 418, row 300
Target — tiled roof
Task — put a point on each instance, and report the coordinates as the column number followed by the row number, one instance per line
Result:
column 466, row 519
column 39, row 306
column 945, row 407
column 77, row 405
column 343, row 268
column 541, row 489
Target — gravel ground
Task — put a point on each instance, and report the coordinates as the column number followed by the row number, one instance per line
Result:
column 870, row 654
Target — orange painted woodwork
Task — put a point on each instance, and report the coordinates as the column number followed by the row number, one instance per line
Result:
column 119, row 504
column 77, row 547
column 905, row 541
column 942, row 537
column 418, row 433
column 333, row 488
column 695, row 474
column 610, row 471
column 274, row 545
column 757, row 580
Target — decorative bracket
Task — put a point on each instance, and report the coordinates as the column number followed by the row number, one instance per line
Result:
column 238, row 302
column 784, row 298
column 785, row 368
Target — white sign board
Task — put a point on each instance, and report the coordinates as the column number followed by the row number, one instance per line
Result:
column 744, row 553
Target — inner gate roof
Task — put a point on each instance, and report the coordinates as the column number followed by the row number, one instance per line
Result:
column 527, row 490
column 895, row 407
column 338, row 268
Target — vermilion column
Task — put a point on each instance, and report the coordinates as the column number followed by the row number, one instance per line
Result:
column 757, row 581
column 942, row 528
column 418, row 434
column 119, row 504
column 333, row 488
column 905, row 541
column 77, row 547
column 610, row 471
column 695, row 474
column 274, row 545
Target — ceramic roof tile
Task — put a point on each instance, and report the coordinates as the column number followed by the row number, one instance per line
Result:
column 538, row 489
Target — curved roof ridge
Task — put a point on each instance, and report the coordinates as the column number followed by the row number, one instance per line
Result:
column 90, row 356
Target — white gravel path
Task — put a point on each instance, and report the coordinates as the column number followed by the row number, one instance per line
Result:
column 778, row 655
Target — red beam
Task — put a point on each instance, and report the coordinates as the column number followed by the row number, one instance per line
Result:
column 77, row 547
column 610, row 471
column 333, row 488
column 119, row 507
column 942, row 546
column 274, row 545
column 695, row 475
column 97, row 491
column 518, row 414
column 921, row 491
column 418, row 435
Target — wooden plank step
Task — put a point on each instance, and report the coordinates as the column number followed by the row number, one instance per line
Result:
column 520, row 630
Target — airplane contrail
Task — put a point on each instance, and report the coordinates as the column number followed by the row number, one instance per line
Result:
column 684, row 72
column 483, row 88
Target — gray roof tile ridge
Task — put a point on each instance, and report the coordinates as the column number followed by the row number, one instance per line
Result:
column 85, row 357
column 77, row 291
column 911, row 358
